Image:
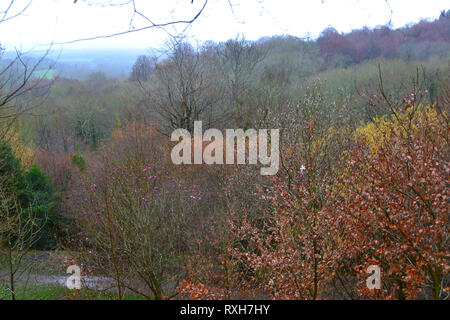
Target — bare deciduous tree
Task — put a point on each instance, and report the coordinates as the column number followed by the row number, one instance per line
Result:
column 239, row 59
column 17, row 77
column 182, row 91
column 142, row 68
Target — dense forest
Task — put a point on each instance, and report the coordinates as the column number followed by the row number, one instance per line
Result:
column 86, row 176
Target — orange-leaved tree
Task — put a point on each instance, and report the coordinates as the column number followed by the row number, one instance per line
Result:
column 395, row 200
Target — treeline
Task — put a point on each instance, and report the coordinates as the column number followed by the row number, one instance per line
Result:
column 414, row 42
column 336, row 50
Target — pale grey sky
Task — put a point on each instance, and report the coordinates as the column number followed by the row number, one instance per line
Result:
column 62, row 20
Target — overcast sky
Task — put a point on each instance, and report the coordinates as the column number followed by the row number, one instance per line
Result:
column 62, row 20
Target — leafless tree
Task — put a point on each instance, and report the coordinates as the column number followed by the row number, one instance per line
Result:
column 142, row 68
column 19, row 88
column 182, row 91
column 238, row 59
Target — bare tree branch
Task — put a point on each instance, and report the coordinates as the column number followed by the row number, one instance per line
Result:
column 136, row 12
column 8, row 9
column 18, row 88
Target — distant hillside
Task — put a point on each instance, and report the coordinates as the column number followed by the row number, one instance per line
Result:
column 415, row 42
column 78, row 64
column 332, row 49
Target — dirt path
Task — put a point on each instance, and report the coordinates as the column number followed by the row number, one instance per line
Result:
column 92, row 282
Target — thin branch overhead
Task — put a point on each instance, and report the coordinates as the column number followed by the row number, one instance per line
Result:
column 5, row 15
column 135, row 12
